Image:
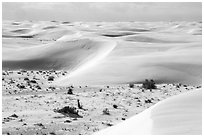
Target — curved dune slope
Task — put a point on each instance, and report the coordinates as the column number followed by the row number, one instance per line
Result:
column 106, row 53
column 178, row 115
column 60, row 55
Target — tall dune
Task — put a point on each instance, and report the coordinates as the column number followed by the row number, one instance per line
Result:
column 59, row 55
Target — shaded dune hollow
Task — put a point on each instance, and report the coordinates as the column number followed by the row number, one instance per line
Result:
column 151, row 40
column 117, row 34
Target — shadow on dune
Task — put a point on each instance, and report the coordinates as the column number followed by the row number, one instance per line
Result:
column 50, row 27
column 21, row 31
column 150, row 40
column 24, row 36
column 135, row 30
column 116, row 35
column 34, row 64
column 60, row 55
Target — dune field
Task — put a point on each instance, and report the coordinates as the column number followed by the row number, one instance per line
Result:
column 48, row 65
column 101, row 53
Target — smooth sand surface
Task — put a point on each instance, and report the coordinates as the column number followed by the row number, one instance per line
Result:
column 97, row 53
column 178, row 115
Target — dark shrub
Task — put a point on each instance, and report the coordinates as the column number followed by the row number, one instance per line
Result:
column 67, row 121
column 20, row 86
column 131, row 85
column 123, row 118
column 52, row 133
column 14, row 115
column 184, row 85
column 51, row 78
column 71, row 86
column 18, row 72
column 148, row 101
column 70, row 91
column 26, row 79
column 67, row 110
column 38, row 87
column 65, row 22
column 178, row 85
column 149, row 84
column 106, row 111
column 33, row 81
column 115, row 106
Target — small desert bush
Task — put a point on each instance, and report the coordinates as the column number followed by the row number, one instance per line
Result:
column 67, row 110
column 51, row 78
column 149, row 84
column 106, row 111
column 115, row 106
column 70, row 91
column 131, row 85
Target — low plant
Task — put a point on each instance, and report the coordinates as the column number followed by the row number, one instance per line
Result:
column 131, row 85
column 149, row 84
column 70, row 91
column 106, row 111
column 67, row 110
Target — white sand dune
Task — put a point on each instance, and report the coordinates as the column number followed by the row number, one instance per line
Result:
column 60, row 55
column 106, row 53
column 177, row 115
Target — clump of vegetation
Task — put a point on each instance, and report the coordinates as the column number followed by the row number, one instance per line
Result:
column 131, row 85
column 14, row 115
column 115, row 106
column 52, row 133
column 67, row 110
column 33, row 81
column 106, row 111
column 26, row 79
column 148, row 101
column 185, row 86
column 20, row 86
column 178, row 85
column 18, row 72
column 149, row 84
column 51, row 78
column 70, row 91
column 67, row 121
column 40, row 125
column 38, row 87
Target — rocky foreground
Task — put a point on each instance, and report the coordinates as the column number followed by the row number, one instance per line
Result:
column 32, row 105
